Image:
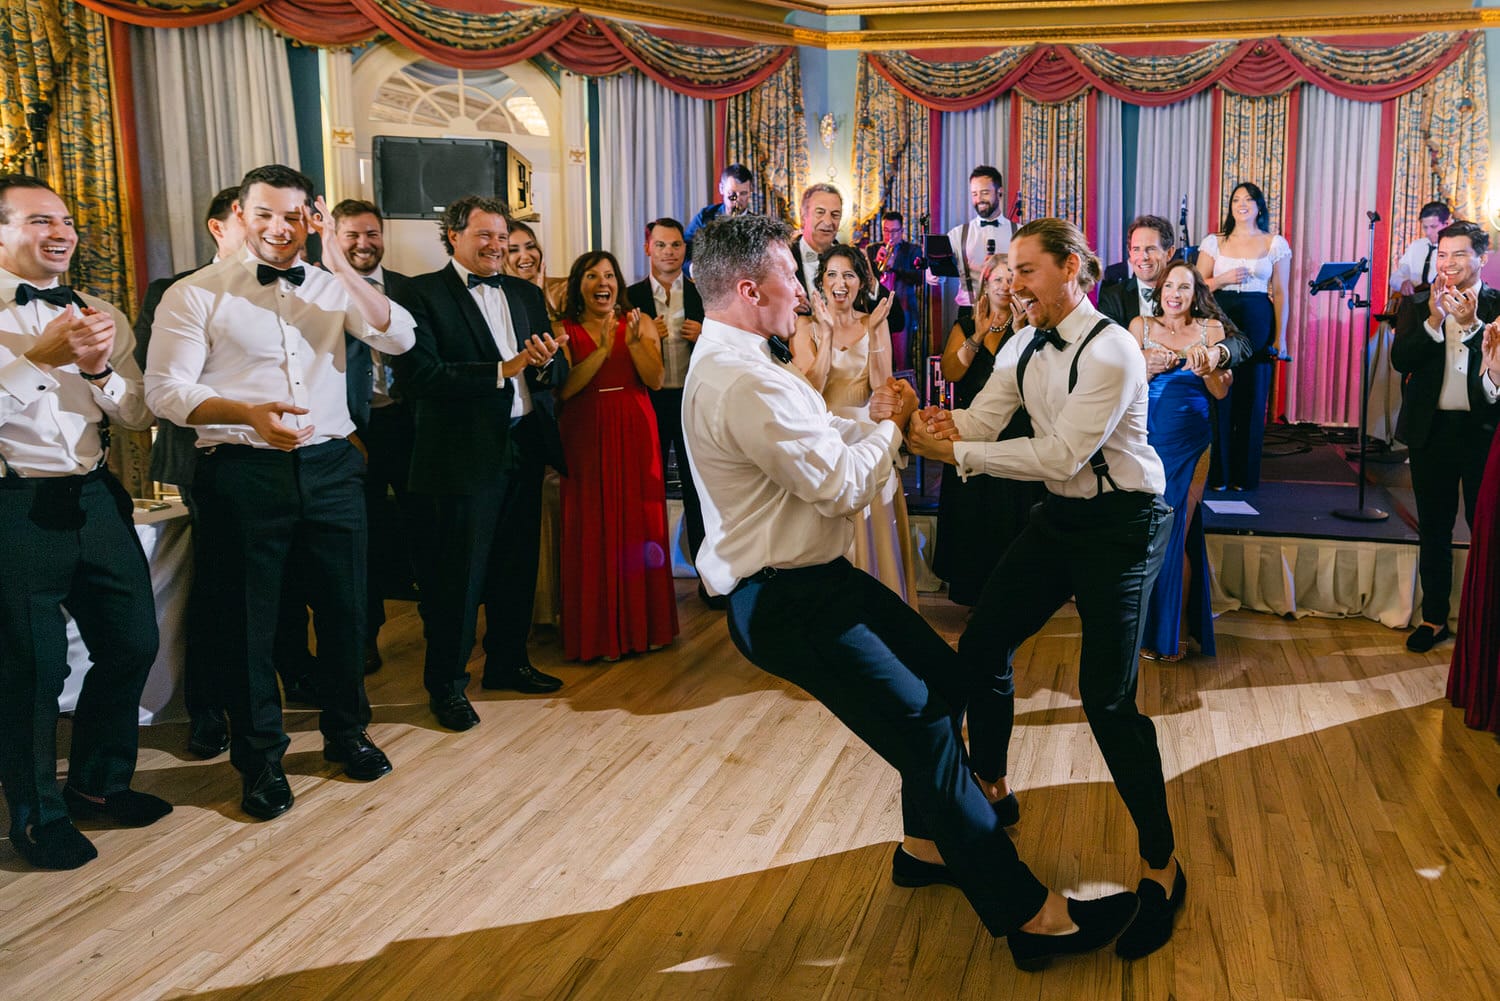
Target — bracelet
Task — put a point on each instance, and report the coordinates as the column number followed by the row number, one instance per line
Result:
column 109, row 370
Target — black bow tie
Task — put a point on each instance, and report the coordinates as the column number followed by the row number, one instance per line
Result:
column 60, row 296
column 493, row 281
column 989, row 222
column 780, row 349
column 265, row 274
column 1045, row 336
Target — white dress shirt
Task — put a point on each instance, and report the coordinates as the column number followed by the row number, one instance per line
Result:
column 220, row 334
column 1416, row 264
column 675, row 351
column 496, row 311
column 973, row 252
column 1455, row 340
column 809, row 258
column 49, row 419
column 1146, row 293
column 1107, row 407
column 779, row 476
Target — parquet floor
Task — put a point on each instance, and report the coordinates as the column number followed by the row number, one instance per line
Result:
column 680, row 825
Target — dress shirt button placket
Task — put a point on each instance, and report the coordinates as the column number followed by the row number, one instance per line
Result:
column 296, row 375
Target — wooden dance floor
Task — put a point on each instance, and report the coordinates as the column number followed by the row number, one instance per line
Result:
column 681, row 825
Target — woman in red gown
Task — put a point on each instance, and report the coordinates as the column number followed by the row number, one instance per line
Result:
column 617, row 590
column 1474, row 676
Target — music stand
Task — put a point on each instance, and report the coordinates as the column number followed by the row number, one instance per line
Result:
column 937, row 249
column 1342, row 277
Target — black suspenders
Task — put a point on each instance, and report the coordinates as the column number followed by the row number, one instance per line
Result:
column 1097, row 461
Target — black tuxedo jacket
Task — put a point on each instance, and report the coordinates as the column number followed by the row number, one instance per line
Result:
column 1422, row 360
column 359, row 370
column 639, row 296
column 463, row 442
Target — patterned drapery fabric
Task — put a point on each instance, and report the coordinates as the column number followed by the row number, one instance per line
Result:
column 1442, row 147
column 892, row 150
column 1054, row 174
column 766, row 130
column 1254, row 131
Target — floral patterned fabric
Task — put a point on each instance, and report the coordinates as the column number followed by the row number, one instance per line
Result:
column 1054, row 177
column 892, row 149
column 766, row 130
column 1255, row 149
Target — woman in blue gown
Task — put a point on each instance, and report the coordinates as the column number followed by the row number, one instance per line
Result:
column 1179, row 425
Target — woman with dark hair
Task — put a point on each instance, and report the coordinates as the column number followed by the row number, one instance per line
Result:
column 1179, row 426
column 1246, row 268
column 617, row 591
column 524, row 260
column 978, row 517
column 844, row 349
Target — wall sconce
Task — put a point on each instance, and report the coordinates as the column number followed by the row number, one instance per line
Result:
column 828, row 132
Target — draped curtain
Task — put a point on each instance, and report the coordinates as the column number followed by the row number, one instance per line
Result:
column 766, row 130
column 655, row 154
column 1054, row 159
column 211, row 103
column 1109, row 172
column 892, row 150
column 1255, row 148
column 1174, row 153
column 978, row 136
column 1336, row 181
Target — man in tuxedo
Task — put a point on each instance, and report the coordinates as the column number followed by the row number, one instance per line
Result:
column 174, row 455
column 481, row 378
column 66, row 374
column 1149, row 248
column 1450, row 404
column 822, row 213
column 895, row 263
column 671, row 300
column 973, row 241
column 737, row 191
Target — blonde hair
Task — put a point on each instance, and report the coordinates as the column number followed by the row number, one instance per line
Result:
column 1061, row 239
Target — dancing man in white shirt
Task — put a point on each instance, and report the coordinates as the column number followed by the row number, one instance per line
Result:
column 67, row 539
column 780, row 478
column 1098, row 536
column 250, row 350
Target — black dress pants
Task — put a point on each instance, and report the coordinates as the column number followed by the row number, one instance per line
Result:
column 668, row 406
column 263, row 510
column 397, row 530
column 486, row 549
column 853, row 645
column 1106, row 552
column 201, row 669
column 70, row 543
column 1449, row 462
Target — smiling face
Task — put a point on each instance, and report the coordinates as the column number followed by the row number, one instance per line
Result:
column 1457, row 262
column 840, row 283
column 523, row 255
column 362, row 240
column 1147, row 255
column 998, row 288
column 984, row 196
column 482, row 245
column 37, row 239
column 275, row 227
column 1243, row 209
column 666, row 249
column 600, row 287
column 821, row 216
column 1177, row 292
column 1042, row 285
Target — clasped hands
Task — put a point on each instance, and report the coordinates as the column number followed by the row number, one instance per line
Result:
column 930, row 432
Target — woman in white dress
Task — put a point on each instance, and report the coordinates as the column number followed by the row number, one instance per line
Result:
column 844, row 349
column 1246, row 268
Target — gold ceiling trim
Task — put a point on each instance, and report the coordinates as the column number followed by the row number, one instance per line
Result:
column 760, row 21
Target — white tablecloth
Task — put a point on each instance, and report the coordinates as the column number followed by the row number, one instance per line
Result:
column 166, row 537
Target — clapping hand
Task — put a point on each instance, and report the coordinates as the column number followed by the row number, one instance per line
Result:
column 1492, row 351
column 880, row 312
column 1461, row 305
column 87, row 338
column 539, row 348
column 982, row 320
column 633, row 327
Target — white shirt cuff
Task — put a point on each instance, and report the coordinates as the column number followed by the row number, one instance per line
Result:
column 1491, row 391
column 26, row 382
column 500, row 379
column 1436, row 335
column 111, row 390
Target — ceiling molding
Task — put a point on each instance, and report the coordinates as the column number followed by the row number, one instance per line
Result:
column 924, row 24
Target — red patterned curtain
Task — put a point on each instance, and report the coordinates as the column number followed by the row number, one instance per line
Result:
column 481, row 34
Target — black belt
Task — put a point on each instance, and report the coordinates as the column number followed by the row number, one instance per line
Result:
column 793, row 573
column 12, row 480
column 253, row 452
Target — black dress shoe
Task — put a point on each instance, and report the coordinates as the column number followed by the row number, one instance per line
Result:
column 300, row 690
column 1007, row 810
column 267, row 793
column 362, row 760
column 1424, row 638
column 54, row 845
column 373, row 661
column 1099, row 923
column 208, row 735
column 1153, row 925
column 455, row 712
column 127, row 807
column 907, row 870
column 521, row 679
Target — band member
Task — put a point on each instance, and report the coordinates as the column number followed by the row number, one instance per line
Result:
column 1416, row 268
column 897, row 267
column 976, row 239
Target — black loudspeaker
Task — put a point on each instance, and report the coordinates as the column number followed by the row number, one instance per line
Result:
column 416, row 178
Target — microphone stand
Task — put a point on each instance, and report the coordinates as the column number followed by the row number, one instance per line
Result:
column 1362, row 512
